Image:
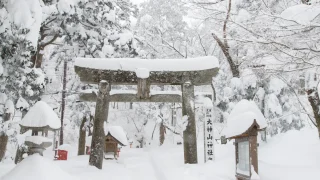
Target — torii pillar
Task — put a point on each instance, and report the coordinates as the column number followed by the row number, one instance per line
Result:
column 101, row 114
column 189, row 135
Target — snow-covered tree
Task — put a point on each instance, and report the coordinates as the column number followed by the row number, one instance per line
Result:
column 162, row 30
column 22, row 84
column 102, row 29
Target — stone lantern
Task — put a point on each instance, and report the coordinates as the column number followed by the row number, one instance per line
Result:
column 40, row 119
column 244, row 122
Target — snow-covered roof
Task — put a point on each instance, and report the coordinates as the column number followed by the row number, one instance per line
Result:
column 242, row 118
column 132, row 64
column 37, row 167
column 41, row 115
column 117, row 132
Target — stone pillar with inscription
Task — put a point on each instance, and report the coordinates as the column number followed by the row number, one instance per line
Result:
column 208, row 134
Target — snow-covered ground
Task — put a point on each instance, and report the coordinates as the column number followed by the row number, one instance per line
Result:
column 293, row 155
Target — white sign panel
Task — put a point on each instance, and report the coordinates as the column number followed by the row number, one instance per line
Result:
column 208, row 135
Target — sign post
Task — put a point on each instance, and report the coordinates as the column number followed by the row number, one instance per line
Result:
column 208, row 135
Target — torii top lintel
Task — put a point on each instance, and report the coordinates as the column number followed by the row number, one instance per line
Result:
column 127, row 71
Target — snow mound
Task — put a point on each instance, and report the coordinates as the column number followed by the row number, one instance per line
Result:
column 302, row 13
column 65, row 147
column 36, row 167
column 117, row 132
column 142, row 73
column 41, row 115
column 131, row 64
column 242, row 117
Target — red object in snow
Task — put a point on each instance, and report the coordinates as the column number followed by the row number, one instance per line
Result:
column 118, row 153
column 87, row 150
column 62, row 154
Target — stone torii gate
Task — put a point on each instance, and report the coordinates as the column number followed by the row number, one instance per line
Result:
column 186, row 73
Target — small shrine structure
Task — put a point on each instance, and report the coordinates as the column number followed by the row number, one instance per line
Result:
column 244, row 122
column 39, row 119
column 114, row 137
column 186, row 73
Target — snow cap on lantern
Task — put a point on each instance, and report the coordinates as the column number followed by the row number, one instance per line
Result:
column 40, row 116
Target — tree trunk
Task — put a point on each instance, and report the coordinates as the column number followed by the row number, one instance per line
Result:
column 39, row 55
column 162, row 133
column 98, row 136
column 224, row 45
column 63, row 103
column 91, row 123
column 225, row 50
column 313, row 98
column 36, row 59
column 18, row 158
column 82, row 138
column 3, row 145
column 189, row 135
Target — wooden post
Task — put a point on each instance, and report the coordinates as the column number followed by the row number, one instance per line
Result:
column 189, row 135
column 82, row 137
column 98, row 136
column 3, row 145
column 54, row 140
column 254, row 152
column 143, row 88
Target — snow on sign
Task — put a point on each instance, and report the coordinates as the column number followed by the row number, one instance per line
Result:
column 208, row 135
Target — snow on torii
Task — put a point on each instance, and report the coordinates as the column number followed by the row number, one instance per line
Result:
column 158, row 71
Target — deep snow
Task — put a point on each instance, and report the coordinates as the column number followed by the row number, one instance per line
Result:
column 293, row 155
